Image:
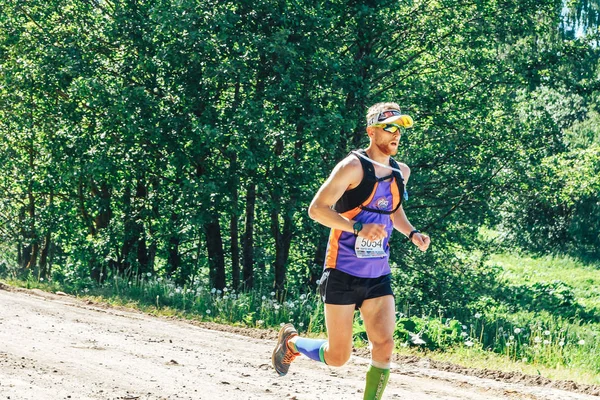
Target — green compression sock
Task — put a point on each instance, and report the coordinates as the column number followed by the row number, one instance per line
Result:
column 377, row 379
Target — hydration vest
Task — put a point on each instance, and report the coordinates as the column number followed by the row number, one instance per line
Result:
column 361, row 194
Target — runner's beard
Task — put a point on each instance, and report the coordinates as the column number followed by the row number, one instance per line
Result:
column 387, row 149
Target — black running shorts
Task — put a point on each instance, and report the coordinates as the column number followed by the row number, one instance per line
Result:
column 337, row 287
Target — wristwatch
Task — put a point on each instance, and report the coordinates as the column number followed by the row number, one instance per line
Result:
column 357, row 228
column 410, row 235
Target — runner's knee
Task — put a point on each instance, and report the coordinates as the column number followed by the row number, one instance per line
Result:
column 337, row 358
column 383, row 348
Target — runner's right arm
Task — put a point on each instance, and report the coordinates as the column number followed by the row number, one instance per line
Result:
column 346, row 175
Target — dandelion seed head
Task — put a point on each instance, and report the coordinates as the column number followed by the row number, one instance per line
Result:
column 581, row 342
column 517, row 331
column 547, row 332
column 477, row 315
column 469, row 343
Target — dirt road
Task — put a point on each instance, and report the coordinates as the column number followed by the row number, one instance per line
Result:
column 57, row 347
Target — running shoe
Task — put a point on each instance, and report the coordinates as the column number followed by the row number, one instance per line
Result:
column 282, row 355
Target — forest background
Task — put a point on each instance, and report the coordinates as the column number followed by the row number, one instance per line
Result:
column 183, row 140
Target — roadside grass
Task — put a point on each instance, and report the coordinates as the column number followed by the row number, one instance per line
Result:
column 486, row 360
column 502, row 334
column 584, row 279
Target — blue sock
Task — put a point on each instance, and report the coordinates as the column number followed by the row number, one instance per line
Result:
column 311, row 348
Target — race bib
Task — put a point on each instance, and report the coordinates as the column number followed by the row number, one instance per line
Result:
column 365, row 248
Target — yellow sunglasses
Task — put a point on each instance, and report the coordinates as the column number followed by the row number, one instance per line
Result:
column 391, row 128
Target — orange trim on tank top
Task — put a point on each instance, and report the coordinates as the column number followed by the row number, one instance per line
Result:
column 395, row 197
column 334, row 236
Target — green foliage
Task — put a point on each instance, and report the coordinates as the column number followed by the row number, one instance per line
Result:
column 186, row 139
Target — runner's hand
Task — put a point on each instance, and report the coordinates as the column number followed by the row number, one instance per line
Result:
column 421, row 241
column 373, row 232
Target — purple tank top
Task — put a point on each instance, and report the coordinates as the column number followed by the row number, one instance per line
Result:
column 346, row 259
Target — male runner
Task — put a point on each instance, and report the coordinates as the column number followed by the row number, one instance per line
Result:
column 361, row 203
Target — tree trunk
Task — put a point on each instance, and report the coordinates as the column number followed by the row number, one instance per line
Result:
column 174, row 259
column 87, row 220
column 135, row 251
column 316, row 269
column 141, row 195
column 248, row 242
column 35, row 246
column 216, row 259
column 103, row 195
column 233, row 226
column 283, row 241
column 44, row 267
